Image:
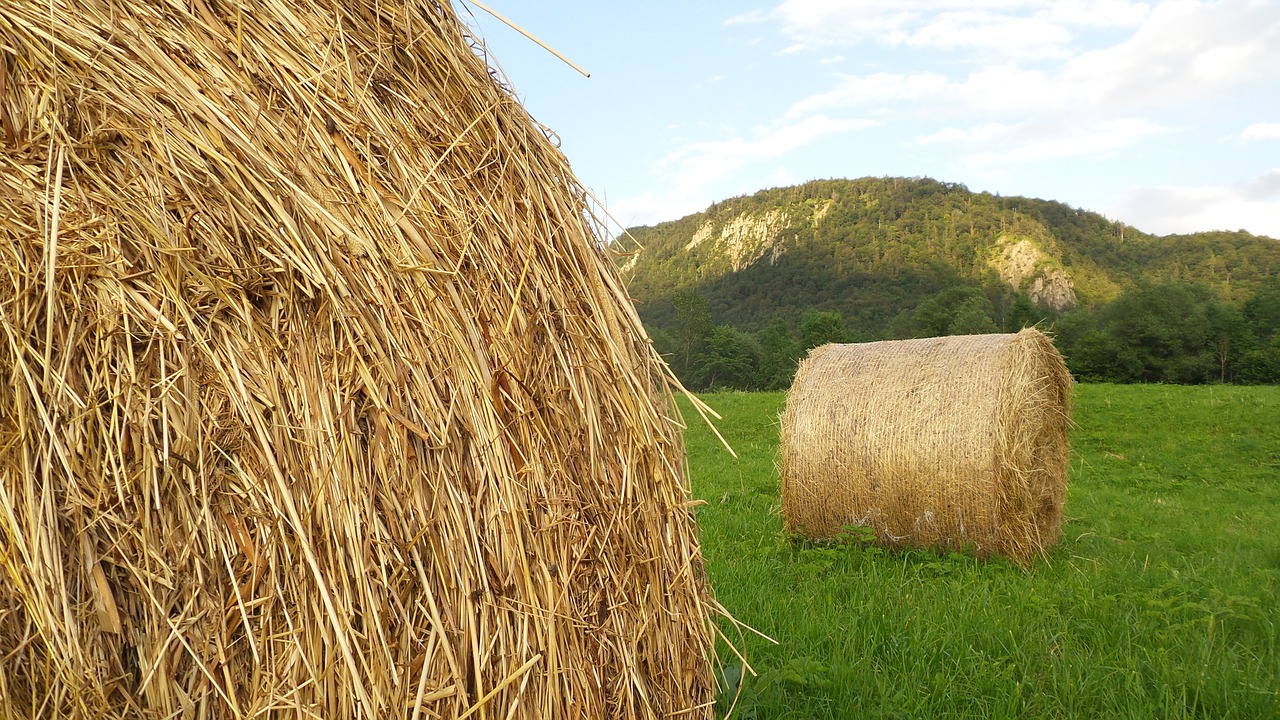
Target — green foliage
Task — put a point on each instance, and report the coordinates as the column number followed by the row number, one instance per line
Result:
column 779, row 355
column 1160, row 600
column 691, row 329
column 819, row 328
column 1259, row 362
column 1262, row 311
column 729, row 358
column 959, row 310
column 1173, row 333
column 1260, row 366
column 1020, row 312
column 664, row 343
column 876, row 258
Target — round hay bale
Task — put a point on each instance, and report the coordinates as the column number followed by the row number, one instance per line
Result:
column 321, row 396
column 953, row 443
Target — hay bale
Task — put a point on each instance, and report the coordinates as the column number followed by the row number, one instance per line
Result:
column 320, row 395
column 953, row 442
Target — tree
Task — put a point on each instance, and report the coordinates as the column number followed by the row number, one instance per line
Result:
column 728, row 359
column 1021, row 313
column 663, row 343
column 1262, row 311
column 1171, row 332
column 958, row 310
column 779, row 354
column 972, row 319
column 690, row 332
column 1259, row 363
column 1260, row 366
column 822, row 327
column 1228, row 335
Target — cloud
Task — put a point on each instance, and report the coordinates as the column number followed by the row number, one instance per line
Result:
column 1010, row 35
column 1002, row 90
column 990, row 132
column 649, row 208
column 993, row 148
column 1098, row 13
column 748, row 18
column 1179, row 49
column 1033, row 144
column 1011, row 90
column 1010, row 27
column 701, row 164
column 859, row 90
column 693, row 170
column 1184, row 51
column 1165, row 209
column 1261, row 131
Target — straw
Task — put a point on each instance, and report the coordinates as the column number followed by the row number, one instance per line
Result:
column 957, row 443
column 321, row 396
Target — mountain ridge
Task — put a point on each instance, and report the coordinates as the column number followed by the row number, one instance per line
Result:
column 874, row 248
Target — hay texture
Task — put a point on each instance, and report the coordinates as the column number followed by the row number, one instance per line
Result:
column 954, row 443
column 320, row 395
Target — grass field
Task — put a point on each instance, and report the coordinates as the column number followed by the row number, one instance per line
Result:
column 1161, row 601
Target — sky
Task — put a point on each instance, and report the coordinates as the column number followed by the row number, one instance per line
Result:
column 1163, row 114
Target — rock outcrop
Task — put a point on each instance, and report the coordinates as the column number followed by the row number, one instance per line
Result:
column 1024, row 266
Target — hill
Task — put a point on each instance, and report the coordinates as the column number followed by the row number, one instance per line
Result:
column 902, row 257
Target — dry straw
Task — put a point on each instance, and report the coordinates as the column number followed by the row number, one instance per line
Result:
column 320, row 395
column 954, row 443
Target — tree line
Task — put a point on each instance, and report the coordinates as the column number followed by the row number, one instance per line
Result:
column 1162, row 332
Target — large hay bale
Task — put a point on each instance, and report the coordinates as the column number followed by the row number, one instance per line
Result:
column 320, row 395
column 954, row 442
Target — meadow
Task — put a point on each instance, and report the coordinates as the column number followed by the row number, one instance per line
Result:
column 1160, row 601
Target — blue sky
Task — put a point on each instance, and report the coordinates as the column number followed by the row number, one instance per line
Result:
column 1164, row 114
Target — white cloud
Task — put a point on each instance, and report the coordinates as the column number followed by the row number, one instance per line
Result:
column 694, row 170
column 993, row 90
column 699, row 165
column 1261, row 131
column 1011, row 90
column 842, row 22
column 1179, row 48
column 1031, row 144
column 1185, row 50
column 1013, row 27
column 855, row 90
column 994, row 148
column 649, row 208
column 982, row 134
column 1165, row 209
column 1009, row 35
column 1097, row 13
column 748, row 18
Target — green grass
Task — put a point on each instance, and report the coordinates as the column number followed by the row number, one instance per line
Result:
column 1159, row 602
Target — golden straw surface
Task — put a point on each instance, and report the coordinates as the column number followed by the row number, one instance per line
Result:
column 955, row 443
column 320, row 395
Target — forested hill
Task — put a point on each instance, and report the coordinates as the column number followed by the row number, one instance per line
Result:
column 903, row 257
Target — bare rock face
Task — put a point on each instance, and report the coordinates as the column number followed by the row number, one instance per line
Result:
column 1017, row 260
column 745, row 238
column 1024, row 266
column 1053, row 289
